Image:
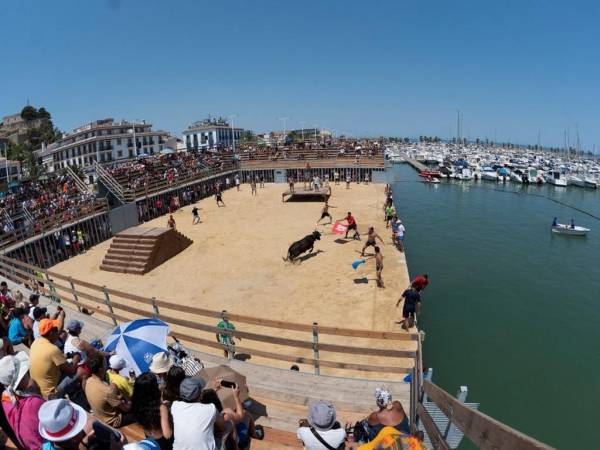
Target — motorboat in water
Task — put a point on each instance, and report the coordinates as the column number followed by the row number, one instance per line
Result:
column 532, row 175
column 556, row 178
column 571, row 230
column 516, row 176
column 463, row 174
column 487, row 173
column 574, row 180
column 430, row 180
column 590, row 182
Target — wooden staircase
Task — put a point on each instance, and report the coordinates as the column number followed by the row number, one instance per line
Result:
column 138, row 250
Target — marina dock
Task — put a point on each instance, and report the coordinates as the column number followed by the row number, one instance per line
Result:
column 418, row 166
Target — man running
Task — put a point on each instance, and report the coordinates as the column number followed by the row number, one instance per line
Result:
column 371, row 240
column 325, row 212
column 195, row 215
column 412, row 306
column 351, row 226
column 219, row 198
column 379, row 266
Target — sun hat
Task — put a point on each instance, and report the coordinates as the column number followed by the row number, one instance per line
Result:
column 161, row 363
column 46, row 325
column 13, row 369
column 116, row 362
column 383, row 398
column 321, row 415
column 73, row 325
column 190, row 389
column 60, row 420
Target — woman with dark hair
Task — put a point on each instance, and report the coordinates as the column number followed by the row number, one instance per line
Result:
column 174, row 377
column 150, row 412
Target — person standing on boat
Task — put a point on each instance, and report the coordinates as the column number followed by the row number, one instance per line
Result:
column 572, row 224
column 554, row 222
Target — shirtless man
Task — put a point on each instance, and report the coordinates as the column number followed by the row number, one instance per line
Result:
column 371, row 240
column 171, row 223
column 325, row 212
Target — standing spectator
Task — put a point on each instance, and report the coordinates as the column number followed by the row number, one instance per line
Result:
column 237, row 181
column 321, row 431
column 150, row 412
column 226, row 339
column 115, row 365
column 107, row 404
column 21, row 400
column 253, row 186
column 48, row 364
column 205, row 419
column 399, row 235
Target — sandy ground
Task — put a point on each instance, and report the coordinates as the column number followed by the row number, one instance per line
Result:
column 235, row 263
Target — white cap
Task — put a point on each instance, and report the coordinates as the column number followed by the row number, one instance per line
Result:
column 116, row 362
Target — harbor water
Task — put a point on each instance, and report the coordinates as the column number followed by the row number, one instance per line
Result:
column 512, row 310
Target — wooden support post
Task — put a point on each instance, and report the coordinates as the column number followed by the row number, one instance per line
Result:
column 110, row 309
column 315, row 337
column 75, row 298
column 154, row 307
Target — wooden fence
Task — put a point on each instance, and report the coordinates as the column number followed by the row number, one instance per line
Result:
column 118, row 306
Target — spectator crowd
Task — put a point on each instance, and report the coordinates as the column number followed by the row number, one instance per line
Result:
column 64, row 392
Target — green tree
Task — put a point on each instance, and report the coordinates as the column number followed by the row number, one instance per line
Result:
column 248, row 136
column 43, row 114
column 29, row 113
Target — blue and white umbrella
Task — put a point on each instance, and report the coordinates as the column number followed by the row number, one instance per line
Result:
column 138, row 341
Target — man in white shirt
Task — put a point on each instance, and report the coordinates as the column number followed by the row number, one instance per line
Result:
column 194, row 423
column 321, row 426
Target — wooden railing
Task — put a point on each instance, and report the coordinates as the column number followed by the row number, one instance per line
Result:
column 50, row 223
column 190, row 326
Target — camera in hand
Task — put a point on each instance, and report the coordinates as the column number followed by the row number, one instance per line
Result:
column 228, row 384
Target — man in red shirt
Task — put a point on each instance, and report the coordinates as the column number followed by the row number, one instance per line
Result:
column 351, row 226
column 420, row 282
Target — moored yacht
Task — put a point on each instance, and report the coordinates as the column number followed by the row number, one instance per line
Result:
column 574, row 180
column 487, row 173
column 556, row 178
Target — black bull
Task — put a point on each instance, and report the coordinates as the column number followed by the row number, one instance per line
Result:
column 303, row 245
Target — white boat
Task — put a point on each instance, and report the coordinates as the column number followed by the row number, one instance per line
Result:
column 574, row 180
column 463, row 174
column 590, row 182
column 533, row 176
column 561, row 228
column 487, row 173
column 556, row 178
column 516, row 176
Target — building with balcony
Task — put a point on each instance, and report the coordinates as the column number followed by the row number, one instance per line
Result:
column 103, row 141
column 211, row 134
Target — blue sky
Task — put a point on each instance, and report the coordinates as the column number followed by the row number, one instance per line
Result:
column 362, row 68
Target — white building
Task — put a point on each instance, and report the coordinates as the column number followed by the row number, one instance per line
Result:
column 211, row 134
column 103, row 141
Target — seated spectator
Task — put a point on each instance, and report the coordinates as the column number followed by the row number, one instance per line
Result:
column 160, row 365
column 17, row 334
column 107, row 404
column 39, row 313
column 6, row 347
column 125, row 385
column 150, row 412
column 6, row 296
column 62, row 425
column 188, row 411
column 174, row 377
column 245, row 429
column 74, row 344
column 21, row 400
column 390, row 414
column 321, row 431
column 48, row 364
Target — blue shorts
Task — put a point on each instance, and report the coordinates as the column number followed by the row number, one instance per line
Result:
column 400, row 238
